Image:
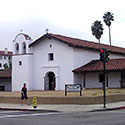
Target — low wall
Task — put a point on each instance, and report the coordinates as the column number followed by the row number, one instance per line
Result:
column 67, row 100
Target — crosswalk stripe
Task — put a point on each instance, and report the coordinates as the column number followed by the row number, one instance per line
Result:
column 24, row 115
column 9, row 112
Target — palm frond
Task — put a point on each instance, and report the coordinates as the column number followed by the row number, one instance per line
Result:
column 97, row 29
column 108, row 17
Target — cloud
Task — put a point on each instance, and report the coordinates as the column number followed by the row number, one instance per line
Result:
column 68, row 17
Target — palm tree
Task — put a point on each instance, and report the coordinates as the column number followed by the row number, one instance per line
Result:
column 97, row 29
column 108, row 17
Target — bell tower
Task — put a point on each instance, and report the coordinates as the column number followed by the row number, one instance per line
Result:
column 22, row 62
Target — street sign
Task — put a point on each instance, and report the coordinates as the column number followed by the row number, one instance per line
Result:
column 73, row 88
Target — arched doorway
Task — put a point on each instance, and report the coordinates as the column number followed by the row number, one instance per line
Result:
column 49, row 81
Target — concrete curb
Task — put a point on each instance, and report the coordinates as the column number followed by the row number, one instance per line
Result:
column 45, row 110
column 26, row 109
column 108, row 109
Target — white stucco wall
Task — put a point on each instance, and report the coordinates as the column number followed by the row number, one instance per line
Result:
column 114, row 56
column 61, row 66
column 83, row 56
column 21, row 73
column 78, row 79
column 114, row 79
column 92, row 80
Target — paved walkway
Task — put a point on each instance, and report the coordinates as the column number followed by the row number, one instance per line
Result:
column 64, row 108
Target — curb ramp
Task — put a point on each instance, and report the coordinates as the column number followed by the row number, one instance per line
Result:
column 108, row 109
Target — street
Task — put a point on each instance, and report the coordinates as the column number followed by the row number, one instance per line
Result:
column 62, row 118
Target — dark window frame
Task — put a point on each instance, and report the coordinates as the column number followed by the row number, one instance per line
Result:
column 101, row 78
column 51, row 56
column 20, row 63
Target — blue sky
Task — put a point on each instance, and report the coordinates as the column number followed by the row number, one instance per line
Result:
column 67, row 17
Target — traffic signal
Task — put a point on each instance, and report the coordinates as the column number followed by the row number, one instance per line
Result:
column 106, row 56
column 102, row 54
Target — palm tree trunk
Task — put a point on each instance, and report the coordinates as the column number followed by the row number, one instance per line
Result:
column 109, row 36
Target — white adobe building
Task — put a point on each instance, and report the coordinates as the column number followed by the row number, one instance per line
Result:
column 5, row 58
column 5, row 71
column 51, row 61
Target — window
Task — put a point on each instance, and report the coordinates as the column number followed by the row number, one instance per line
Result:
column 50, row 45
column 9, row 58
column 101, row 78
column 50, row 57
column 20, row 63
column 2, row 88
column 0, row 65
column 4, row 57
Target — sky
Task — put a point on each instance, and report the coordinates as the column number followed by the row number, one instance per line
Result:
column 72, row 18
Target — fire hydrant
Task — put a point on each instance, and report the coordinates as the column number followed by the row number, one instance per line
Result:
column 34, row 102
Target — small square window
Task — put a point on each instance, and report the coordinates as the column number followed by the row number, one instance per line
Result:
column 20, row 63
column 50, row 56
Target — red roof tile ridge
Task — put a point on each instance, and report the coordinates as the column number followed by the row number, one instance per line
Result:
column 89, row 43
column 96, row 65
column 5, row 73
column 77, row 39
column 79, row 43
column 3, row 53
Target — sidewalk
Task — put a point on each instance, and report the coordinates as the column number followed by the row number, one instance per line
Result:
column 63, row 108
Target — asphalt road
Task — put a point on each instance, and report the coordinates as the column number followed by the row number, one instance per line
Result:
column 116, row 117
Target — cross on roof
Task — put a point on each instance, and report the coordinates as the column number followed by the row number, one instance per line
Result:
column 47, row 30
column 21, row 30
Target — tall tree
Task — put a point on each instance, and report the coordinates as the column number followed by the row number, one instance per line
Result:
column 97, row 29
column 108, row 17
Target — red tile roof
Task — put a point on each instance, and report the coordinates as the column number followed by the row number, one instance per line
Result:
column 5, row 73
column 97, row 65
column 9, row 53
column 74, row 42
